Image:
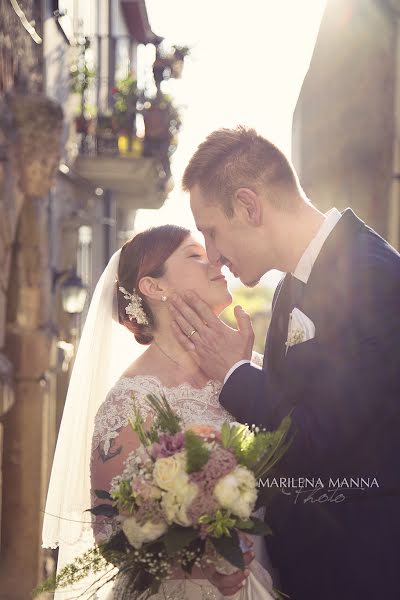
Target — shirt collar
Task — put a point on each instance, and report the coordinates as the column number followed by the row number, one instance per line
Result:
column 306, row 262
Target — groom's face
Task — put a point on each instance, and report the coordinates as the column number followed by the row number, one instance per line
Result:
column 227, row 239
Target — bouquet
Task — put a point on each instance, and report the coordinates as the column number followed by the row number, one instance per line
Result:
column 183, row 498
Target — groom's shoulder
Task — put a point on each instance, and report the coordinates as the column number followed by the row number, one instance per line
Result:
column 371, row 251
column 373, row 265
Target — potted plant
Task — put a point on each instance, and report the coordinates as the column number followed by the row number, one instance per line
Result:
column 178, row 57
column 106, row 138
column 84, row 122
column 81, row 124
column 162, row 123
column 82, row 77
column 124, row 110
column 169, row 63
column 104, row 125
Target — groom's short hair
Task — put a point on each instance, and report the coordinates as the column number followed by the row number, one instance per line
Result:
column 232, row 158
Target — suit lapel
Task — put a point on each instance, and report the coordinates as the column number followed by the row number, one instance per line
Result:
column 278, row 324
column 313, row 293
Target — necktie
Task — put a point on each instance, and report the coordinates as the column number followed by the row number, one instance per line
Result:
column 292, row 297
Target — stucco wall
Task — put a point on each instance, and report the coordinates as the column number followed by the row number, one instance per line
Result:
column 344, row 120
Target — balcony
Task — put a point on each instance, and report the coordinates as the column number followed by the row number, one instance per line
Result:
column 134, row 167
column 127, row 132
column 136, row 175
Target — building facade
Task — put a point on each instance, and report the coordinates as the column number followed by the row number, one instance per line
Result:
column 346, row 123
column 77, row 160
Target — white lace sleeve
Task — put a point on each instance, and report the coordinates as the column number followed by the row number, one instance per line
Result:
column 257, row 358
column 118, row 408
column 113, row 441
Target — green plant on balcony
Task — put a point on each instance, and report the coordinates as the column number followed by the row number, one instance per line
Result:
column 125, row 100
column 161, row 118
column 162, row 123
column 104, row 124
column 178, row 57
column 81, row 78
column 169, row 63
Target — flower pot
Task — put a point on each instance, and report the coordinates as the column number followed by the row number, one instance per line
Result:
column 157, row 123
column 104, row 124
column 82, row 124
column 161, row 69
column 177, row 68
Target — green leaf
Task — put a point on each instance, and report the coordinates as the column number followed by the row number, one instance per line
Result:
column 143, row 582
column 178, row 538
column 105, row 510
column 279, row 442
column 103, row 494
column 229, row 548
column 197, row 454
column 279, row 594
column 168, row 421
column 244, row 524
column 260, row 527
column 155, row 586
column 225, row 434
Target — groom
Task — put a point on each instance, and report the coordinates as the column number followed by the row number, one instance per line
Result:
column 332, row 355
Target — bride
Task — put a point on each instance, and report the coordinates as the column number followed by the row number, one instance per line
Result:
column 113, row 374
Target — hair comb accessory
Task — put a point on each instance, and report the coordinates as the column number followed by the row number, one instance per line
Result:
column 134, row 309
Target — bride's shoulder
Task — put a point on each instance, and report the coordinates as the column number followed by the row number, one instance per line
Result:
column 125, row 396
column 131, row 387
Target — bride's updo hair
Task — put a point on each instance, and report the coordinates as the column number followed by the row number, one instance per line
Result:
column 142, row 256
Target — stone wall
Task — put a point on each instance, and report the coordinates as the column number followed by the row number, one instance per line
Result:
column 32, row 131
column 344, row 120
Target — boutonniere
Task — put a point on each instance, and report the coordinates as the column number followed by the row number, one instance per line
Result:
column 300, row 329
column 295, row 337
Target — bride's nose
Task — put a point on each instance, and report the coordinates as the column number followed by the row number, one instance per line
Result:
column 213, row 272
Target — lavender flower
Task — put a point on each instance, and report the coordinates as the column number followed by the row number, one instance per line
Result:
column 221, row 462
column 204, row 504
column 167, row 445
column 150, row 511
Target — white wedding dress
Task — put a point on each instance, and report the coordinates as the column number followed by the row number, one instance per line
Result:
column 200, row 406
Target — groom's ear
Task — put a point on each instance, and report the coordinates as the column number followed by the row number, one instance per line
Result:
column 150, row 287
column 248, row 206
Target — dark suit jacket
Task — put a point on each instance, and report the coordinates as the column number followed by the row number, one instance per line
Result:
column 344, row 388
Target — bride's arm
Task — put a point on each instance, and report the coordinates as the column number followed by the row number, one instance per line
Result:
column 107, row 461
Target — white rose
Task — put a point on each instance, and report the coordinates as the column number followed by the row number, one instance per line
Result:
column 170, row 473
column 237, row 492
column 175, row 504
column 138, row 534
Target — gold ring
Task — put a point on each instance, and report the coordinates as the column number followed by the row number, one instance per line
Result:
column 192, row 333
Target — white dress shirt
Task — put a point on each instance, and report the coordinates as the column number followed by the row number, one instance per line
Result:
column 306, row 263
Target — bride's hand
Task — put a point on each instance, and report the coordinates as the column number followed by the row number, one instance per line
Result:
column 228, row 585
column 215, row 346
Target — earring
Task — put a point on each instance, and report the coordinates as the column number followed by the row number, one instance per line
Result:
column 164, row 298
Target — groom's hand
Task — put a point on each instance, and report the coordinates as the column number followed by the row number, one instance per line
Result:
column 215, row 346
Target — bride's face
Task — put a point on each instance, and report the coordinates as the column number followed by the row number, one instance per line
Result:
column 188, row 268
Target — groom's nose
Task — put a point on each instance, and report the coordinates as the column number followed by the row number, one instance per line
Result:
column 213, row 255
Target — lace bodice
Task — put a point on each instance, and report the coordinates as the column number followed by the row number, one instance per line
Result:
column 193, row 405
